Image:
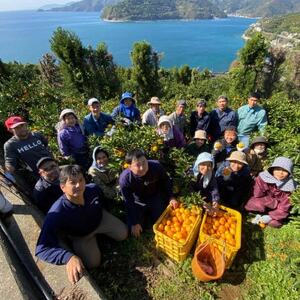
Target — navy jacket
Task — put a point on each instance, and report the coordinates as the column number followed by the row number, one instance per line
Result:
column 68, row 219
column 156, row 183
column 45, row 193
column 96, row 127
column 220, row 120
column 197, row 122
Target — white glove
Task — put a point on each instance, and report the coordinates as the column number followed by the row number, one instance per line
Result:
column 256, row 220
column 265, row 219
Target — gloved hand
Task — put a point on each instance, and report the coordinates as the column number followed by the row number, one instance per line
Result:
column 256, row 220
column 265, row 219
column 10, row 179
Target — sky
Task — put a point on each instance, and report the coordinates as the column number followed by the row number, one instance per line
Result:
column 6, row 5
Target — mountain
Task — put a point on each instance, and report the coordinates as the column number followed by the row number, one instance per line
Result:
column 86, row 5
column 50, row 6
column 258, row 8
column 162, row 10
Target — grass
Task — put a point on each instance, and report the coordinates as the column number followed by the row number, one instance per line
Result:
column 266, row 267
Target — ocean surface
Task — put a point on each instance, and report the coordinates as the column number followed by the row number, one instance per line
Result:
column 213, row 44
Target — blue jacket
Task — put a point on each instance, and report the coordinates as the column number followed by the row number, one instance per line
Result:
column 251, row 119
column 69, row 219
column 96, row 127
column 220, row 120
column 132, row 113
column 156, row 183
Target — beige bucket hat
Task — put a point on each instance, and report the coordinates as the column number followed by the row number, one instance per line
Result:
column 238, row 156
column 154, row 100
column 200, row 134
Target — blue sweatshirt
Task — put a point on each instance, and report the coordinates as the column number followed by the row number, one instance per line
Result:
column 156, row 183
column 69, row 219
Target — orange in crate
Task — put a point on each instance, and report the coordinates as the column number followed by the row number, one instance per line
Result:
column 176, row 231
column 225, row 231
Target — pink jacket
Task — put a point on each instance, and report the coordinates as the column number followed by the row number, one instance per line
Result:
column 267, row 198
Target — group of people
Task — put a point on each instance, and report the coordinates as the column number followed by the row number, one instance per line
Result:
column 228, row 169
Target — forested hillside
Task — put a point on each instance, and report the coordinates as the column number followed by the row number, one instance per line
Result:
column 162, row 10
column 258, row 8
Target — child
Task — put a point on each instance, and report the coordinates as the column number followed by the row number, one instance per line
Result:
column 199, row 144
column 104, row 177
column 206, row 183
column 234, row 180
column 71, row 139
column 224, row 147
column 271, row 193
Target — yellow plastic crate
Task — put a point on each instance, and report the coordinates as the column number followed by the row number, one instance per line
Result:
column 174, row 249
column 230, row 251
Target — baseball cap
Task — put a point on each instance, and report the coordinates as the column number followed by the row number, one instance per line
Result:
column 43, row 160
column 93, row 100
column 13, row 122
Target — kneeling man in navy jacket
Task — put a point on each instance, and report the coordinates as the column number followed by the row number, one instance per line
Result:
column 79, row 216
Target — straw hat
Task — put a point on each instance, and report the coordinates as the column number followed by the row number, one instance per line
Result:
column 154, row 100
column 200, row 134
column 238, row 156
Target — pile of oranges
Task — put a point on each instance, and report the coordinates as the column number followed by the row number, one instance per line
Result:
column 179, row 223
column 221, row 227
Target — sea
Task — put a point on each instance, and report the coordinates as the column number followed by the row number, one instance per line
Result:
column 25, row 36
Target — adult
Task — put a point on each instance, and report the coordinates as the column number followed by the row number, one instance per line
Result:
column 199, row 144
column 171, row 135
column 152, row 115
column 178, row 118
column 96, row 121
column 199, row 119
column 222, row 148
column 220, row 118
column 47, row 190
column 127, row 109
column 234, row 180
column 23, row 150
column 71, row 140
column 251, row 117
column 78, row 215
column 146, row 189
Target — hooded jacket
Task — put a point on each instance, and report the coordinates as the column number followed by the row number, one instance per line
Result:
column 271, row 196
column 104, row 177
column 129, row 112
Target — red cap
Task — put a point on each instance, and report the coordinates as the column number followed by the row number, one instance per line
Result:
column 13, row 122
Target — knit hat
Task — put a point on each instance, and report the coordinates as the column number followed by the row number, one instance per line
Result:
column 237, row 156
column 259, row 139
column 202, row 157
column 164, row 119
column 154, row 100
column 282, row 162
column 200, row 134
column 65, row 112
column 93, row 100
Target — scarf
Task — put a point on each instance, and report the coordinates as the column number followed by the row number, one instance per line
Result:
column 287, row 185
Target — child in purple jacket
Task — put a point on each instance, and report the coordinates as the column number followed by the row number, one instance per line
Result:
column 271, row 193
column 71, row 140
